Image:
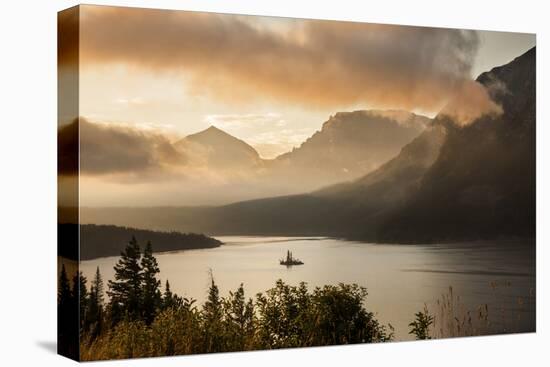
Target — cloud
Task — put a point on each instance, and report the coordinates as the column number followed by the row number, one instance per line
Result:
column 272, row 144
column 132, row 101
column 115, row 149
column 245, row 121
column 306, row 62
column 68, row 37
column 140, row 153
column 269, row 133
column 471, row 101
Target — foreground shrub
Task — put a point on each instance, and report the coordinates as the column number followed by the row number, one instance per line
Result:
column 128, row 339
column 284, row 317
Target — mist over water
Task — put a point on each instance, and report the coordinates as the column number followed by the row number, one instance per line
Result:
column 399, row 278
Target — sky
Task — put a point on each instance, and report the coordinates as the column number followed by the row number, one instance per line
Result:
column 148, row 77
column 269, row 81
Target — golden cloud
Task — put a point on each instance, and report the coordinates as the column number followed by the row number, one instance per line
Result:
column 113, row 149
column 309, row 62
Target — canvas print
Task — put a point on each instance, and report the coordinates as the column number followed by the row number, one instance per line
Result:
column 233, row 183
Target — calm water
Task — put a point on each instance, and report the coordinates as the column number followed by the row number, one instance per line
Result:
column 399, row 278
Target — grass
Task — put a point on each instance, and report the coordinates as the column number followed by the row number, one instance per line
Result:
column 453, row 319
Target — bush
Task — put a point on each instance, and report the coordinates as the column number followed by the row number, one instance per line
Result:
column 284, row 317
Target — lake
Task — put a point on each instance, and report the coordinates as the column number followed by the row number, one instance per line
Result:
column 400, row 279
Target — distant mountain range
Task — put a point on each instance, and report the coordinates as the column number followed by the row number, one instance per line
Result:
column 214, row 167
column 449, row 183
column 349, row 145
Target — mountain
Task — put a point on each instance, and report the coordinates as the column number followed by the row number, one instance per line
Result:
column 483, row 182
column 216, row 149
column 456, row 183
column 450, row 183
column 212, row 167
column 350, row 209
column 349, row 145
column 339, row 210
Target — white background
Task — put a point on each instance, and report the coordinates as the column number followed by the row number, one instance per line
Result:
column 28, row 182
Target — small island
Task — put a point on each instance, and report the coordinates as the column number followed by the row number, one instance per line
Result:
column 289, row 261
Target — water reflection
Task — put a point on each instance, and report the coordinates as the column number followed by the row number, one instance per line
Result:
column 399, row 278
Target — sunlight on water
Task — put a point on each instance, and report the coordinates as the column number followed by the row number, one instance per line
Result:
column 399, row 278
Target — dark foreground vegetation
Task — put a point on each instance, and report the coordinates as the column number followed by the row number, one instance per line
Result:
column 140, row 320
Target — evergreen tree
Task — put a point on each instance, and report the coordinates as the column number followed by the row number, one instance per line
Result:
column 97, row 284
column 125, row 291
column 168, row 297
column 172, row 300
column 67, row 317
column 238, row 320
column 80, row 295
column 151, row 285
column 167, row 292
column 212, row 318
column 64, row 293
column 94, row 321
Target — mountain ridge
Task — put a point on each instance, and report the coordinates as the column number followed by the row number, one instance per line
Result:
column 451, row 183
column 349, row 145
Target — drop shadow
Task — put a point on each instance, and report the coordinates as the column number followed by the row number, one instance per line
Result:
column 48, row 345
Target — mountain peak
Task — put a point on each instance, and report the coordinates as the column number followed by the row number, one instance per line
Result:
column 400, row 117
column 352, row 144
column 211, row 130
column 214, row 128
column 220, row 148
column 214, row 135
